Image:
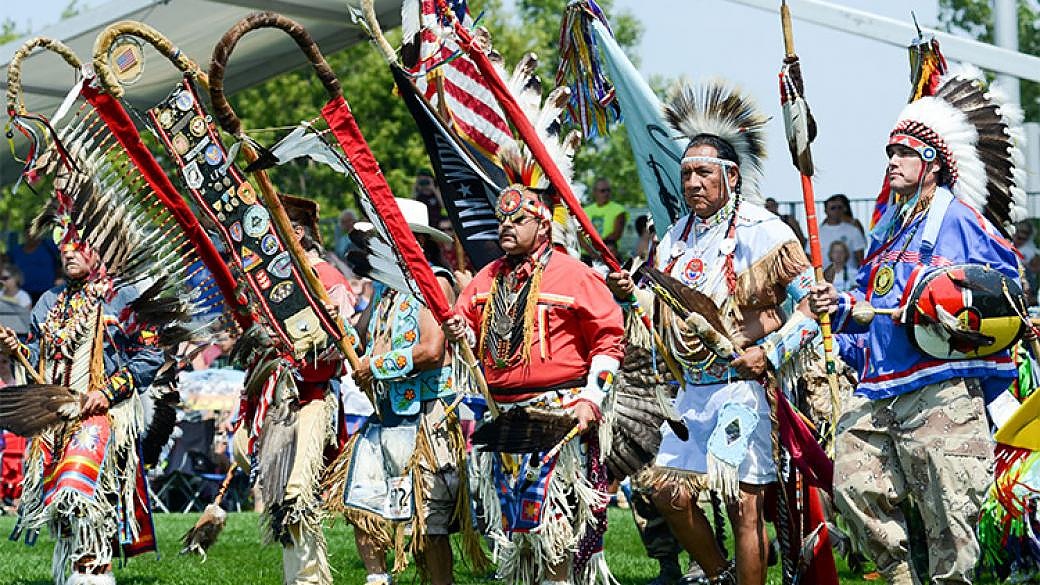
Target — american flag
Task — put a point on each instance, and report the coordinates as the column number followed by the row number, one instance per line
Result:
column 472, row 108
column 126, row 59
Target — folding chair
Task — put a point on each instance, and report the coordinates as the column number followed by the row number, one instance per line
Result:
column 180, row 481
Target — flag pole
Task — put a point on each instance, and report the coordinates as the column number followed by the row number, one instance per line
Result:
column 529, row 135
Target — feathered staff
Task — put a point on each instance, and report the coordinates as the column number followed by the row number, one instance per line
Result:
column 801, row 130
column 515, row 114
column 359, row 157
column 100, row 197
column 816, row 564
column 268, row 195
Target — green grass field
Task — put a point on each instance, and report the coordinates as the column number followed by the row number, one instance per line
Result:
column 239, row 559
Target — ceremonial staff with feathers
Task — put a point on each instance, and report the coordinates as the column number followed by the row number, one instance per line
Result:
column 128, row 260
column 801, row 131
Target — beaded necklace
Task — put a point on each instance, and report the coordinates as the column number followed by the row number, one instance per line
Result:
column 506, row 343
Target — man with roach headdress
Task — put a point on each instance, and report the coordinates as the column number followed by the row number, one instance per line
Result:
column 738, row 263
column 548, row 335
column 945, row 277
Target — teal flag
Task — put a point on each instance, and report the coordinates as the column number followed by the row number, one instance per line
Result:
column 654, row 142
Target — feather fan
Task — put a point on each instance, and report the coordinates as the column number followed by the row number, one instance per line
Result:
column 637, row 413
column 30, row 409
column 524, row 430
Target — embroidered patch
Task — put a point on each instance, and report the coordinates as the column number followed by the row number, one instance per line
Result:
column 213, row 155
column 263, row 280
column 281, row 292
column 256, row 220
column 180, row 143
column 729, row 441
column 197, row 126
column 693, row 271
column 184, row 101
column 250, row 259
column 884, row 280
column 247, row 194
column 281, row 265
column 269, row 244
column 530, row 510
column 193, row 176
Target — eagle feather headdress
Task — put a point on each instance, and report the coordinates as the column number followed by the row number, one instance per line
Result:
column 720, row 109
column 978, row 136
column 516, row 158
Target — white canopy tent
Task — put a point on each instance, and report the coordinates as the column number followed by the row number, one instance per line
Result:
column 194, row 26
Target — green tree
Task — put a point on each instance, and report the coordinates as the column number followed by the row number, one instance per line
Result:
column 975, row 17
column 8, row 31
column 390, row 130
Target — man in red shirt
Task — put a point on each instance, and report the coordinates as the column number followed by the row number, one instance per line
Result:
column 548, row 335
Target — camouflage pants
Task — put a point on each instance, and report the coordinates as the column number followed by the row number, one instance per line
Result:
column 657, row 538
column 932, row 446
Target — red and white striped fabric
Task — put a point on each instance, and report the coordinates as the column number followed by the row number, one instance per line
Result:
column 475, row 115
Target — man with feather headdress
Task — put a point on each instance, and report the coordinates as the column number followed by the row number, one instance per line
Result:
column 548, row 335
column 405, row 471
column 82, row 475
column 743, row 263
column 916, row 427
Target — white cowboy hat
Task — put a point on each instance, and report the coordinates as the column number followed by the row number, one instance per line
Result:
column 418, row 218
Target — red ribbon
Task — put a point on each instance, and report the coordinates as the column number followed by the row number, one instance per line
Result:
column 343, row 126
column 122, row 127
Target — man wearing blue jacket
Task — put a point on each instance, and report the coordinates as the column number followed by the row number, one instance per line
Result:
column 916, row 426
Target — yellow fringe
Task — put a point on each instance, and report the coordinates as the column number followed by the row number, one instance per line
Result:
column 685, row 483
column 530, row 310
column 97, row 353
column 471, row 541
column 763, row 283
column 485, row 317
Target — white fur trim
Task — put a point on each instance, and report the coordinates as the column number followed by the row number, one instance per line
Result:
column 87, row 579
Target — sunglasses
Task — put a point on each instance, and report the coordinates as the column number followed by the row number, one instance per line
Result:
column 5, row 277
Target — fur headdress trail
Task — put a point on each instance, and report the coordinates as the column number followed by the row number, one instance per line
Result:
column 978, row 136
column 722, row 110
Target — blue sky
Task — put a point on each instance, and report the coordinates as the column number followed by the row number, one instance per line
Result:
column 855, row 86
column 36, row 14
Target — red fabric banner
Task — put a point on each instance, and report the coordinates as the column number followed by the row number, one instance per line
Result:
column 345, row 129
column 122, row 127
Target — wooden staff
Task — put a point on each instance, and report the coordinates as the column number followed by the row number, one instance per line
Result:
column 385, row 49
column 231, row 124
column 267, row 191
column 15, row 105
column 796, row 122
